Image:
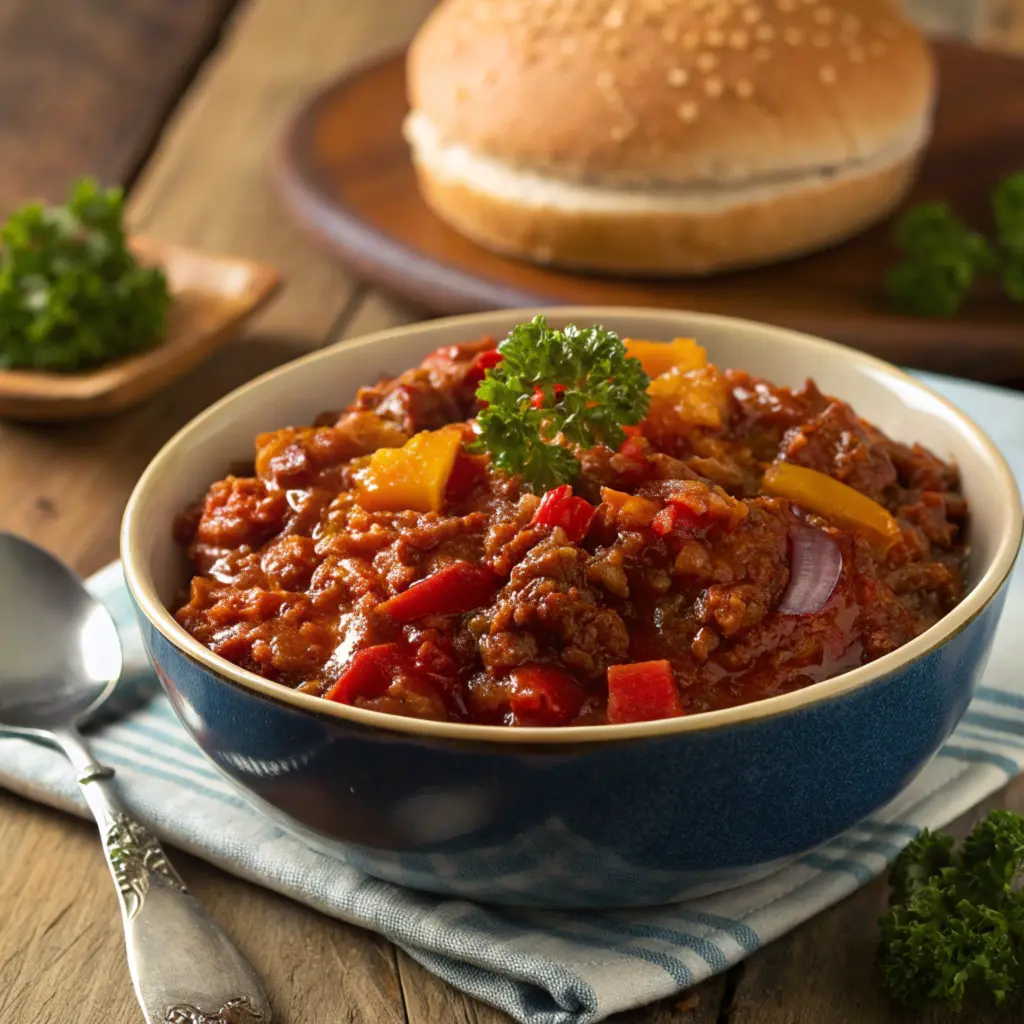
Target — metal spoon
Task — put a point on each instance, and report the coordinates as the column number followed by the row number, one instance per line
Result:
column 60, row 659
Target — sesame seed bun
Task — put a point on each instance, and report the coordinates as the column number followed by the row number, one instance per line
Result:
column 666, row 136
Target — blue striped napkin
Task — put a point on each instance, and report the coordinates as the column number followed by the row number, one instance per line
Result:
column 541, row 967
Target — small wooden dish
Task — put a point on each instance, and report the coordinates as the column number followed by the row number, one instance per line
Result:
column 212, row 297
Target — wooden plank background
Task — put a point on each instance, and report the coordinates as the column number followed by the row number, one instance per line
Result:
column 183, row 102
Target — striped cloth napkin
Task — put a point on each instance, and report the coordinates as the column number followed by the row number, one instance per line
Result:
column 541, row 967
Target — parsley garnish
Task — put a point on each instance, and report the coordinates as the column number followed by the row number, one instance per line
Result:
column 72, row 295
column 944, row 258
column 577, row 384
column 955, row 924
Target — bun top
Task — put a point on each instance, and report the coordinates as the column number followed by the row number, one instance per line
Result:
column 673, row 92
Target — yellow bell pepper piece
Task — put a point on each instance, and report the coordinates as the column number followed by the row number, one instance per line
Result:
column 412, row 477
column 698, row 398
column 826, row 496
column 658, row 357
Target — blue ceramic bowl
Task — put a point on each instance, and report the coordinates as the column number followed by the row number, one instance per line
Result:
column 589, row 816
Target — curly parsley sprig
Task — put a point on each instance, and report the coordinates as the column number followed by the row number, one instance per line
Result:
column 554, row 391
column 944, row 258
column 72, row 294
column 955, row 925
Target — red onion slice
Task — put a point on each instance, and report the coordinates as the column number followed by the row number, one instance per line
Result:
column 813, row 572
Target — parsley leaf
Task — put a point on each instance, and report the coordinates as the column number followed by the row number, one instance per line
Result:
column 942, row 260
column 554, row 391
column 955, row 924
column 72, row 295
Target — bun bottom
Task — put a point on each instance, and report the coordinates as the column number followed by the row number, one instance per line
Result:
column 754, row 231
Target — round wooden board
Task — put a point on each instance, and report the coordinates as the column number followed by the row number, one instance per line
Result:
column 345, row 172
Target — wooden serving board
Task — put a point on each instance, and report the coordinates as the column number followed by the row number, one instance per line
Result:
column 345, row 172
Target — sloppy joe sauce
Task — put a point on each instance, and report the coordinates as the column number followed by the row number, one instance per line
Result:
column 290, row 572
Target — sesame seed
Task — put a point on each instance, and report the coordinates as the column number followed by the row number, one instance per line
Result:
column 786, row 5
column 764, row 33
column 744, row 89
column 670, row 33
column 824, row 15
column 678, row 77
column 739, row 39
column 715, row 37
column 714, row 86
column 752, row 15
column 793, row 36
column 761, row 53
column 849, row 24
column 615, row 18
column 687, row 111
column 569, row 46
column 707, row 62
column 827, row 74
column 605, row 80
column 821, row 40
column 876, row 48
column 856, row 54
column 618, row 133
column 691, row 40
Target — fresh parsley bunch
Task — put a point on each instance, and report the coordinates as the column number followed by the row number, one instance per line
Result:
column 944, row 258
column 72, row 295
column 955, row 924
column 577, row 385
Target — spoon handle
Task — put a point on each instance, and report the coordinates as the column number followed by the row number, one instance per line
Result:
column 185, row 970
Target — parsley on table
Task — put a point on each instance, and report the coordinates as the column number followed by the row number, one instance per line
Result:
column 72, row 295
column 944, row 258
column 955, row 924
column 576, row 385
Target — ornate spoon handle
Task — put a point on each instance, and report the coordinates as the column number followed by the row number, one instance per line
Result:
column 185, row 970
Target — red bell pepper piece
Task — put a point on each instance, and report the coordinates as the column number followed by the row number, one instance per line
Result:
column 634, row 449
column 465, row 473
column 368, row 674
column 677, row 517
column 483, row 362
column 453, row 590
column 560, row 508
column 543, row 695
column 642, row 692
column 537, row 402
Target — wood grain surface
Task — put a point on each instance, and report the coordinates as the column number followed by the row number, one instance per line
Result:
column 206, row 184
column 86, row 84
column 346, row 172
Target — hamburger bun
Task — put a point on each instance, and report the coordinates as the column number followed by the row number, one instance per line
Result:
column 666, row 137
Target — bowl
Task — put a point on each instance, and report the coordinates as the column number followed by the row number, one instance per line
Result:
column 599, row 816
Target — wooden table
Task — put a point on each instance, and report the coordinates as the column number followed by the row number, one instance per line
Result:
column 183, row 103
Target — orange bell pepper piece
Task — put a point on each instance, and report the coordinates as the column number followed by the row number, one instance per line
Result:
column 658, row 357
column 697, row 397
column 826, row 496
column 412, row 477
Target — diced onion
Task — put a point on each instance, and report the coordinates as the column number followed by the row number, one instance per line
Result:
column 813, row 572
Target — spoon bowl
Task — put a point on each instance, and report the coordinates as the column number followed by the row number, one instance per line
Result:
column 61, row 652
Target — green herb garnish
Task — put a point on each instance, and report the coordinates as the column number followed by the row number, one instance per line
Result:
column 955, row 924
column 577, row 384
column 944, row 258
column 72, row 295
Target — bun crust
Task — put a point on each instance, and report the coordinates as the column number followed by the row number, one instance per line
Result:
column 671, row 92
column 666, row 137
column 661, row 243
